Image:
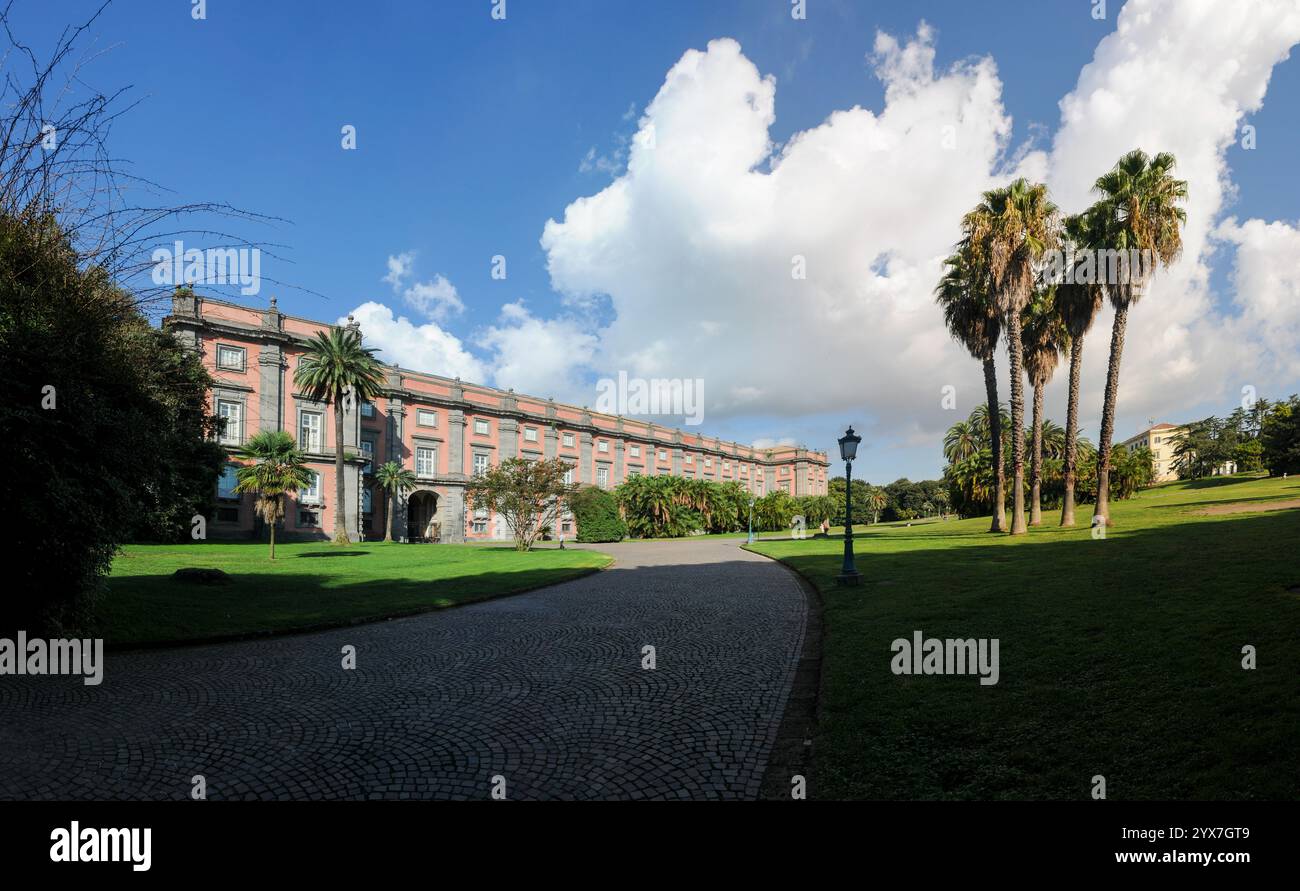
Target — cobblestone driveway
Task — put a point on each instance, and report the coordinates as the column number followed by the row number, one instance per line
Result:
column 545, row 689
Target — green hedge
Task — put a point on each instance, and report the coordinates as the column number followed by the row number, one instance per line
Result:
column 597, row 514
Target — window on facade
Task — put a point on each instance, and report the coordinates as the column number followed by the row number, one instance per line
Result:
column 231, row 414
column 602, row 445
column 480, row 524
column 663, row 456
column 480, row 427
column 635, row 451
column 568, row 477
column 230, row 358
column 426, row 462
column 226, row 482
column 708, row 462
column 367, row 409
column 311, row 494
column 690, row 459
column 568, row 440
column 368, row 452
column 425, row 417
column 367, row 501
column 308, row 518
column 633, row 473
column 530, row 434
column 228, row 515
column 309, row 431
column 481, row 462
column 602, row 477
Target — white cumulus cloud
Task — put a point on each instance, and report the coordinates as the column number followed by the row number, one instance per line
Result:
column 419, row 347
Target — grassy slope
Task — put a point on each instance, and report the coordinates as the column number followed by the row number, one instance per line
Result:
column 1119, row 657
column 312, row 585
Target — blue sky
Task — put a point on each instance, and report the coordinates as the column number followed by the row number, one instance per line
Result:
column 472, row 134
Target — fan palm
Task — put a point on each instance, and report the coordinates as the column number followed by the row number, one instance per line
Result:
column 973, row 321
column 1044, row 337
column 1138, row 211
column 393, row 479
column 279, row 467
column 1078, row 300
column 1009, row 231
column 336, row 368
column 961, row 441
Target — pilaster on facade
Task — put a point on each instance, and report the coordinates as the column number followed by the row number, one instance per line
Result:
column 271, row 367
column 677, row 461
column 509, row 438
column 453, row 514
column 584, row 457
column 551, row 438
column 618, row 463
column 456, row 444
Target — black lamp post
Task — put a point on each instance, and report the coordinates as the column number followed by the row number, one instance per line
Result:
column 848, row 451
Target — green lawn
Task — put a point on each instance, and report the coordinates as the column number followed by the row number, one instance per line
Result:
column 1120, row 657
column 312, row 585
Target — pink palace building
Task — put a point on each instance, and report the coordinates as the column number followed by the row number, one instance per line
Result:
column 444, row 429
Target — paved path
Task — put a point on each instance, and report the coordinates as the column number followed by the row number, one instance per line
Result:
column 545, row 689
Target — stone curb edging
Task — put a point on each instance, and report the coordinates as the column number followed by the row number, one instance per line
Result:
column 792, row 750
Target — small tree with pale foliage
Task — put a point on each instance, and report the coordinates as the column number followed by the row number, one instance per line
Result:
column 529, row 495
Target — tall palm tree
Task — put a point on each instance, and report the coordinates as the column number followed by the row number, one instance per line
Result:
column 394, row 479
column 973, row 320
column 1043, row 335
column 1139, row 210
column 278, row 468
column 335, row 368
column 1078, row 301
column 1010, row 231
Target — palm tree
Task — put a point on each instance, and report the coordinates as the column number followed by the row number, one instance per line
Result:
column 1053, row 440
column 877, row 501
column 973, row 321
column 1139, row 211
column 394, row 479
column 1078, row 303
column 279, row 468
column 335, row 368
column 1010, row 230
column 961, row 441
column 1044, row 337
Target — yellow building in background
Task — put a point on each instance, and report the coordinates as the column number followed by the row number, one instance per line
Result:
column 1161, row 440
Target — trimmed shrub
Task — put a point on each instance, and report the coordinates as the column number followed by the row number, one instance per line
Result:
column 596, row 511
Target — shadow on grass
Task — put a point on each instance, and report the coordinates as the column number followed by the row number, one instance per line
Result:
column 154, row 610
column 1120, row 657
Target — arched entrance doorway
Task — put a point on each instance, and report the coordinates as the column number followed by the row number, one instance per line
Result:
column 422, row 517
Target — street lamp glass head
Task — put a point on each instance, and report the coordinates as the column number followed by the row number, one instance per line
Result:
column 849, row 445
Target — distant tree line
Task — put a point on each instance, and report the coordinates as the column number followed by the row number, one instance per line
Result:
column 1263, row 436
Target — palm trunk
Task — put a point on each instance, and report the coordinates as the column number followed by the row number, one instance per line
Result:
column 390, row 510
column 1102, row 510
column 340, row 514
column 1072, row 431
column 1015, row 349
column 999, row 523
column 1036, row 461
column 272, row 539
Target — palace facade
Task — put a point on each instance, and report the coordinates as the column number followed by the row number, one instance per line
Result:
column 443, row 429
